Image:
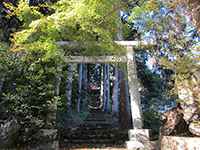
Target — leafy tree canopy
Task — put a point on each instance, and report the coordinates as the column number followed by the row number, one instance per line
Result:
column 92, row 23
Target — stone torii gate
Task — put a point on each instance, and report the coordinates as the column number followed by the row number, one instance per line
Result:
column 137, row 133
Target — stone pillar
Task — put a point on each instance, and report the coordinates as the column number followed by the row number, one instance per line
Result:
column 133, row 89
column 138, row 137
column 47, row 140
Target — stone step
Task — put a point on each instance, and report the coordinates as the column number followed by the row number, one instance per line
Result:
column 94, row 141
column 97, row 140
column 101, row 114
column 96, row 125
column 95, row 110
column 95, row 129
column 83, row 133
column 96, row 136
column 98, row 119
column 98, row 122
column 85, row 147
column 94, row 146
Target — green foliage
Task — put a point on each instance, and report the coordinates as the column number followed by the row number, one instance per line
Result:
column 31, row 59
column 28, row 87
column 152, row 121
column 185, row 67
column 147, row 6
column 26, row 13
column 154, row 94
column 82, row 21
column 3, row 46
column 170, row 34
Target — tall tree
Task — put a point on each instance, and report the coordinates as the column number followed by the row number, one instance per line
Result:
column 193, row 8
column 115, row 93
column 106, row 88
column 80, row 87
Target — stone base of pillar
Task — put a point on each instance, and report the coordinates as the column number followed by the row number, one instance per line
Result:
column 115, row 120
column 138, row 139
column 136, row 134
column 135, row 145
column 46, row 140
column 54, row 145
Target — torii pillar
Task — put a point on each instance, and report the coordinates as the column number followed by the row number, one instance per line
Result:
column 137, row 136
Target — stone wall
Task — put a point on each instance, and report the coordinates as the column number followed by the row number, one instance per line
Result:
column 180, row 143
column 189, row 94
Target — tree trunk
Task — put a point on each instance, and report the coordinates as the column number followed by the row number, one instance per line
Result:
column 106, row 89
column 124, row 116
column 85, row 77
column 1, row 84
column 102, row 86
column 115, row 96
column 85, row 86
column 69, row 87
column 80, row 87
column 128, row 105
column 57, row 85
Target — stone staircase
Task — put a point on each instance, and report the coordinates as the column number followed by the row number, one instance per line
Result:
column 97, row 131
